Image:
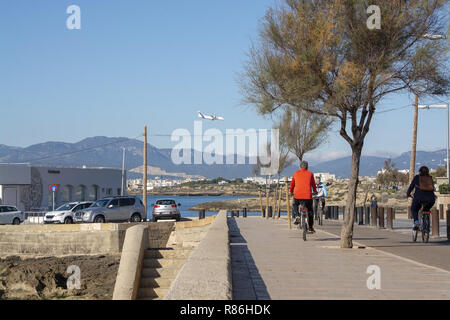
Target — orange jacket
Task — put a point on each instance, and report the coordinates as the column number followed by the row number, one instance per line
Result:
column 302, row 182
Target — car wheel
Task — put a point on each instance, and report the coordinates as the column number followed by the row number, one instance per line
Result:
column 68, row 220
column 154, row 219
column 178, row 219
column 99, row 219
column 16, row 221
column 136, row 217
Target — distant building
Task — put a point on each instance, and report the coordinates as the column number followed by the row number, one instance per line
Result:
column 27, row 187
column 325, row 177
column 136, row 184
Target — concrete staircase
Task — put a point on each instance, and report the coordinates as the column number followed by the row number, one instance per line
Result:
column 160, row 267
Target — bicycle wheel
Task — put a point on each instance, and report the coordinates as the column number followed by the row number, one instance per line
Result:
column 414, row 235
column 321, row 217
column 305, row 228
column 426, row 228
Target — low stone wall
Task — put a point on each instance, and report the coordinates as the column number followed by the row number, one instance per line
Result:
column 76, row 239
column 207, row 273
column 189, row 234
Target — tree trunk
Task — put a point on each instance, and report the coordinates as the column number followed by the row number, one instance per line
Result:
column 347, row 227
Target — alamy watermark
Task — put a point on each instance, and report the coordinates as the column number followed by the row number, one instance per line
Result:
column 374, row 281
column 374, row 21
column 74, row 281
column 73, row 22
column 228, row 148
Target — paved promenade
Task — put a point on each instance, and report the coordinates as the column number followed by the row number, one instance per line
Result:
column 269, row 261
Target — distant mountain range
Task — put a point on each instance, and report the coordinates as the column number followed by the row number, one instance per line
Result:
column 371, row 165
column 107, row 152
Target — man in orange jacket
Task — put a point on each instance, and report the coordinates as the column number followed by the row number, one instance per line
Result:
column 302, row 187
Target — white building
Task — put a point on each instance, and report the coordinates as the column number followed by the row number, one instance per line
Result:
column 325, row 176
column 27, row 187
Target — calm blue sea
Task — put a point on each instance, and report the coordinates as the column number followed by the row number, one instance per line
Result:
column 191, row 201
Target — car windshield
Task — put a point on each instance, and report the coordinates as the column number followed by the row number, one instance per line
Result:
column 66, row 207
column 99, row 203
column 165, row 202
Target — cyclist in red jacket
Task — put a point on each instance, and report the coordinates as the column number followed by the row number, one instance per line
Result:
column 302, row 187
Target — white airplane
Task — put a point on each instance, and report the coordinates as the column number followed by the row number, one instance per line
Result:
column 207, row 117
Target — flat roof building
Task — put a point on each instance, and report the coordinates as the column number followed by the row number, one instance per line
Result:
column 27, row 187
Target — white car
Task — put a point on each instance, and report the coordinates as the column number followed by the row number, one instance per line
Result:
column 65, row 214
column 10, row 215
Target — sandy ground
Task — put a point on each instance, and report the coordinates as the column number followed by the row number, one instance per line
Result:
column 46, row 278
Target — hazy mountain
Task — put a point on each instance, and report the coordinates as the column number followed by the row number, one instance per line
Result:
column 107, row 152
column 371, row 165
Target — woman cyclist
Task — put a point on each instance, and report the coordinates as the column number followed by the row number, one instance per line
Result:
column 423, row 196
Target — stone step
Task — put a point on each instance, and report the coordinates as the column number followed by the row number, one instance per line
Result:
column 145, row 293
column 162, row 263
column 167, row 272
column 155, row 282
column 167, row 253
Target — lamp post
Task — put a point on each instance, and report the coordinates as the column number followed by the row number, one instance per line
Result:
column 123, row 171
column 416, row 112
column 442, row 106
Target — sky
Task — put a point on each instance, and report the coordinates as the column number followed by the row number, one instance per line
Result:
column 154, row 63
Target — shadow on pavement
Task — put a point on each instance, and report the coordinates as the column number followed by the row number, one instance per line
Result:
column 247, row 282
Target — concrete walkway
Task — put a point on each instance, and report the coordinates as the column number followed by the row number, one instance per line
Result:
column 269, row 261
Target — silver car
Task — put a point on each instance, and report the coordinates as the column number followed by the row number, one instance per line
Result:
column 166, row 209
column 113, row 209
column 10, row 215
column 65, row 214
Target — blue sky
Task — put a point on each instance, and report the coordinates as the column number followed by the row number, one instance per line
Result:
column 152, row 62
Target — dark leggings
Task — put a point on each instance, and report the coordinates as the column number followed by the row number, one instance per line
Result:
column 318, row 201
column 418, row 204
column 308, row 204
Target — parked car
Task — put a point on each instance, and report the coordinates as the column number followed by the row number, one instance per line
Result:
column 65, row 214
column 166, row 209
column 113, row 209
column 10, row 215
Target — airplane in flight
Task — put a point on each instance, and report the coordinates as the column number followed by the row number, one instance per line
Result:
column 207, row 117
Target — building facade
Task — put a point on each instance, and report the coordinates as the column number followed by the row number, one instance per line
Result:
column 28, row 187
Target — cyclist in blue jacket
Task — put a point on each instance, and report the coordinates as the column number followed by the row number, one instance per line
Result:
column 319, row 198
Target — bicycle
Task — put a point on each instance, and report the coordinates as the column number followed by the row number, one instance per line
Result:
column 319, row 209
column 302, row 224
column 320, row 216
column 425, row 227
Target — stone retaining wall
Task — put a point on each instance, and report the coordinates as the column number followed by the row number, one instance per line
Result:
column 77, row 239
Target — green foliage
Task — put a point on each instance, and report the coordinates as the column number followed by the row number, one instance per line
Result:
column 440, row 172
column 391, row 176
column 302, row 131
column 444, row 189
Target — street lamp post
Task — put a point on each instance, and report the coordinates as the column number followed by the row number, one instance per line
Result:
column 416, row 109
column 442, row 106
column 123, row 171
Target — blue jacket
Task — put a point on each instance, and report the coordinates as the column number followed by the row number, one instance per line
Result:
column 321, row 190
